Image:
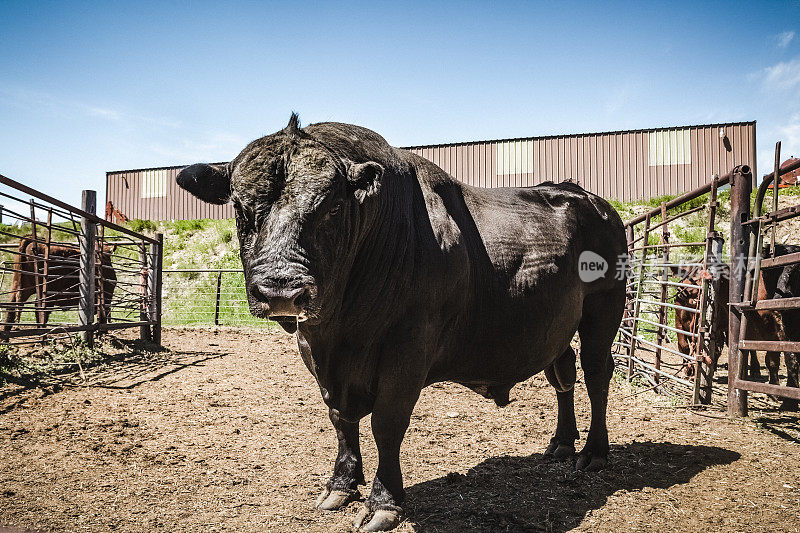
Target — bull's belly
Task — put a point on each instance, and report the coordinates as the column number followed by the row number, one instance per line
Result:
column 512, row 350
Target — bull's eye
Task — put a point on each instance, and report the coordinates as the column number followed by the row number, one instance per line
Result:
column 335, row 210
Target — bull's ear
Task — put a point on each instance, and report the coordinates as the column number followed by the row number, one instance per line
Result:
column 365, row 179
column 210, row 183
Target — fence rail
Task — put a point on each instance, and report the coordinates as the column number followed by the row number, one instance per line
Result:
column 671, row 335
column 747, row 236
column 65, row 270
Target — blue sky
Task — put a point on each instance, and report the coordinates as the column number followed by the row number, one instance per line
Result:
column 97, row 86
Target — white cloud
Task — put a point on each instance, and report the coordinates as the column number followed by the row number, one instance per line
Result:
column 55, row 106
column 104, row 113
column 789, row 134
column 783, row 76
column 785, row 38
column 617, row 100
column 207, row 146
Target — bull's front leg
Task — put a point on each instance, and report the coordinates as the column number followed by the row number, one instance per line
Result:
column 348, row 470
column 390, row 418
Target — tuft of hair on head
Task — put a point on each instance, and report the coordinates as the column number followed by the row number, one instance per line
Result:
column 293, row 128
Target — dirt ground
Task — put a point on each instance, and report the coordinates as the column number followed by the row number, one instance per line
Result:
column 226, row 432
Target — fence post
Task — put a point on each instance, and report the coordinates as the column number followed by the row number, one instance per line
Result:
column 144, row 308
column 156, row 263
column 662, row 310
column 741, row 187
column 216, row 307
column 47, row 259
column 637, row 301
column 37, row 272
column 704, row 376
column 159, row 281
column 86, row 306
column 715, row 340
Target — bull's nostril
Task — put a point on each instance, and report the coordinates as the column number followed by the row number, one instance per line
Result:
column 302, row 298
column 281, row 300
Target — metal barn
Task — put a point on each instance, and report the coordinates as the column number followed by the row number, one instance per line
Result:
column 618, row 165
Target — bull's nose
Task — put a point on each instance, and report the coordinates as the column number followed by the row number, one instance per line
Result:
column 282, row 301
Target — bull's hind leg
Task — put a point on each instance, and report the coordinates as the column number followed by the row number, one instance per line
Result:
column 602, row 313
column 772, row 360
column 792, row 361
column 348, row 470
column 561, row 376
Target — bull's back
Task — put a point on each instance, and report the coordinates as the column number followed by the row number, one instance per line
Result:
column 538, row 235
column 525, row 274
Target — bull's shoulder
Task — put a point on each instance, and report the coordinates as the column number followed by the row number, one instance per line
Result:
column 442, row 212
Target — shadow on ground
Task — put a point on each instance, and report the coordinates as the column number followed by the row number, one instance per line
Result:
column 785, row 425
column 144, row 363
column 535, row 493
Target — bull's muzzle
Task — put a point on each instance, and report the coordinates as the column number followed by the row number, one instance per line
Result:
column 280, row 300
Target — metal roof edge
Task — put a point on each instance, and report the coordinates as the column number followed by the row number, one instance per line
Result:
column 590, row 134
column 171, row 167
column 512, row 139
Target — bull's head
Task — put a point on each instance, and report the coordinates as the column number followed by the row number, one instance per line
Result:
column 298, row 212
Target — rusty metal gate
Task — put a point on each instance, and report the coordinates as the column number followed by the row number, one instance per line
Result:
column 66, row 271
column 671, row 334
column 747, row 302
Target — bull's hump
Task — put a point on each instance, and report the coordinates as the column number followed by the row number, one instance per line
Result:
column 347, row 136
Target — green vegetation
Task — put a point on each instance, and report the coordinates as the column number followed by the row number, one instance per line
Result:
column 138, row 225
column 190, row 297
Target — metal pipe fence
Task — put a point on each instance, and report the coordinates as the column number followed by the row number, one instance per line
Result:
column 65, row 271
column 671, row 334
column 747, row 302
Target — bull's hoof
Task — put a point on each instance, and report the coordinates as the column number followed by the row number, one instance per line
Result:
column 331, row 500
column 590, row 463
column 559, row 451
column 382, row 520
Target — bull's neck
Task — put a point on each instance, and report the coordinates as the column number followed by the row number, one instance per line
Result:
column 383, row 264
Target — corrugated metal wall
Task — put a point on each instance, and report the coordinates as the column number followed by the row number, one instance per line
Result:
column 153, row 194
column 624, row 165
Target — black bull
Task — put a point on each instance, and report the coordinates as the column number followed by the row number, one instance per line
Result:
column 395, row 276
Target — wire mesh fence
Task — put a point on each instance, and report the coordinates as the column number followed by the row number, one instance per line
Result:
column 66, row 271
column 202, row 297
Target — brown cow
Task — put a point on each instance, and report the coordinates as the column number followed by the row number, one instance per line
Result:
column 62, row 280
column 687, row 320
column 762, row 325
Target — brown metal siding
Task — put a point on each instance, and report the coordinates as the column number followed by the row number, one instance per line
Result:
column 614, row 165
